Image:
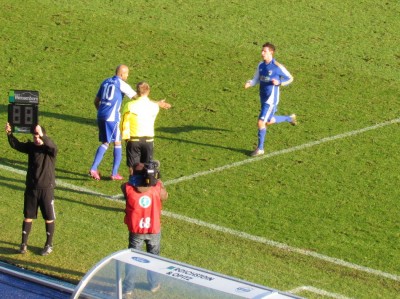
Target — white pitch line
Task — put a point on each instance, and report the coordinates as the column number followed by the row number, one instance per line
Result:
column 281, row 152
column 317, row 291
column 277, row 153
column 230, row 231
column 283, row 246
column 62, row 184
column 243, row 234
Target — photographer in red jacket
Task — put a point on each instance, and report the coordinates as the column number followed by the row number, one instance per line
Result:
column 144, row 194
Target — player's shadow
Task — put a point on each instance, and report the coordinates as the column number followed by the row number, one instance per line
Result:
column 10, row 248
column 186, row 129
column 18, row 165
column 72, row 118
column 22, row 166
column 90, row 205
column 6, row 250
column 79, row 174
column 190, row 128
column 5, row 182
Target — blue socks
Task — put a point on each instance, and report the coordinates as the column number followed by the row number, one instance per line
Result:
column 261, row 138
column 101, row 150
column 117, row 159
column 281, row 119
column 99, row 156
column 263, row 132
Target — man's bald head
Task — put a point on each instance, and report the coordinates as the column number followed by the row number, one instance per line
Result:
column 122, row 71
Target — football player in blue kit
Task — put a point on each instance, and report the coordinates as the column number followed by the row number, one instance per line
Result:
column 108, row 102
column 270, row 74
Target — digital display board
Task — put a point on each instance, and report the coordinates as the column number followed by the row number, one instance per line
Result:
column 23, row 110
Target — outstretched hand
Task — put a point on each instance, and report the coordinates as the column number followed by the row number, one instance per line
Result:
column 163, row 104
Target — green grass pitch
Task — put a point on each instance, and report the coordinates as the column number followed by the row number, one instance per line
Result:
column 318, row 214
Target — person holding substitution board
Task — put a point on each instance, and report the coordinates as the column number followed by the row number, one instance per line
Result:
column 40, row 183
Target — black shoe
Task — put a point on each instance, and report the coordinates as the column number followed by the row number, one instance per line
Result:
column 47, row 250
column 23, row 248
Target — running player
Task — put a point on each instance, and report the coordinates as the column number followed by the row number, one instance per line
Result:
column 270, row 74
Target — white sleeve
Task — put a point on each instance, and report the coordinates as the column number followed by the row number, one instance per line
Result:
column 127, row 89
column 256, row 78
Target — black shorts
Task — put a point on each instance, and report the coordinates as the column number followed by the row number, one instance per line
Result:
column 140, row 151
column 39, row 198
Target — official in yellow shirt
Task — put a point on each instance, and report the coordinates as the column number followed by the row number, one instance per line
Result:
column 137, row 126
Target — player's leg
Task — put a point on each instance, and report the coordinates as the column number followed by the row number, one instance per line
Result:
column 104, row 137
column 136, row 242
column 101, row 150
column 46, row 204
column 153, row 242
column 30, row 213
column 266, row 111
column 116, row 138
column 147, row 150
column 133, row 153
column 261, row 134
column 26, row 229
column 277, row 119
column 117, row 161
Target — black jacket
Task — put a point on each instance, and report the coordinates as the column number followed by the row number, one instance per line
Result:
column 41, row 161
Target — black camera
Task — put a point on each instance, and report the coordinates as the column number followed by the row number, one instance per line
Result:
column 151, row 173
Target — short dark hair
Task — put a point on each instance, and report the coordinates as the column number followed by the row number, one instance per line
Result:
column 269, row 45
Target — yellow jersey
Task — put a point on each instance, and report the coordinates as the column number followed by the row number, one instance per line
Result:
column 138, row 118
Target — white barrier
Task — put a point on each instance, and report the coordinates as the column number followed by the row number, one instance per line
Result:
column 177, row 280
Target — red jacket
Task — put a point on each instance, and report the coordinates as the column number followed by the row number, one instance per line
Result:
column 143, row 209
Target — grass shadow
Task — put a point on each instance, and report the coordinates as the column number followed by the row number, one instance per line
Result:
column 242, row 151
column 186, row 129
column 22, row 166
column 61, row 116
column 16, row 164
column 88, row 204
column 71, row 118
column 10, row 248
column 5, row 183
column 190, row 128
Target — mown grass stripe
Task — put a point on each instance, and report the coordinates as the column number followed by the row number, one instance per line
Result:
column 228, row 230
column 283, row 246
column 281, row 152
column 243, row 234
